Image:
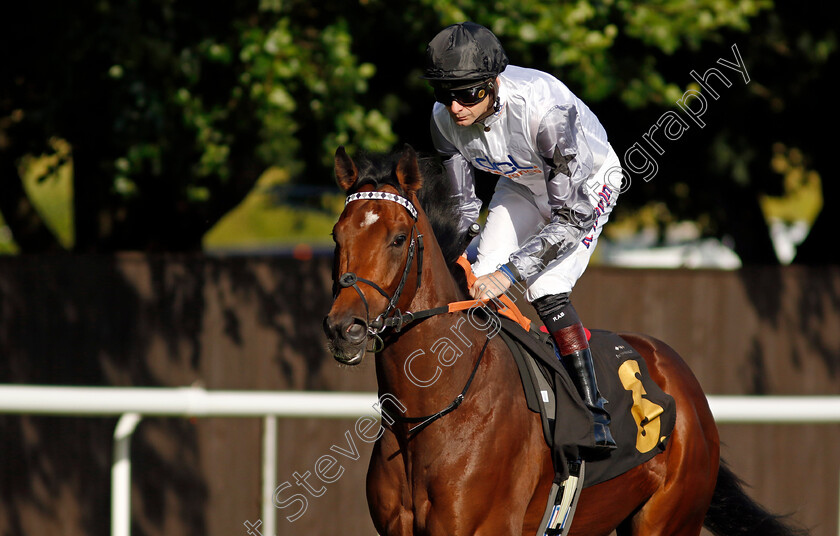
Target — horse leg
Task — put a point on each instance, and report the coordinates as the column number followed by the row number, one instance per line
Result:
column 605, row 506
column 677, row 508
column 504, row 491
column 387, row 490
column 657, row 498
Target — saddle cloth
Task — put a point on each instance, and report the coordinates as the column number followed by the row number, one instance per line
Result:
column 643, row 416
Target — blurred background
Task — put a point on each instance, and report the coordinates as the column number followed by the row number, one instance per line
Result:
column 168, row 126
column 167, row 196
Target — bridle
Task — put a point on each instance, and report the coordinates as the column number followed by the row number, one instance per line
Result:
column 391, row 316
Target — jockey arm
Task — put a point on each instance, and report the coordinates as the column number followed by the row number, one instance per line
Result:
column 562, row 144
column 462, row 179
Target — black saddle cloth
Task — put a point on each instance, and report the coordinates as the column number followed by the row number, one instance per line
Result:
column 643, row 416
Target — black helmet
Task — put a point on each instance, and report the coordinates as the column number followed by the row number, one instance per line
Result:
column 464, row 52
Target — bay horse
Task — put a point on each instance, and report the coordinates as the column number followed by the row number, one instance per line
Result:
column 479, row 465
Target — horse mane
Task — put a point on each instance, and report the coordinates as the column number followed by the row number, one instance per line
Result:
column 435, row 198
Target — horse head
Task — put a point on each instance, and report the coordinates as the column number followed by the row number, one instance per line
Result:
column 378, row 252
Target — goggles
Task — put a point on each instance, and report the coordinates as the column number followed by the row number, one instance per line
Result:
column 468, row 96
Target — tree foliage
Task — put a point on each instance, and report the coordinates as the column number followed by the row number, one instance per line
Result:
column 172, row 110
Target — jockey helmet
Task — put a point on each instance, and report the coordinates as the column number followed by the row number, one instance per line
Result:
column 463, row 53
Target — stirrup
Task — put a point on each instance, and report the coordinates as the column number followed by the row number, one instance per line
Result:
column 561, row 515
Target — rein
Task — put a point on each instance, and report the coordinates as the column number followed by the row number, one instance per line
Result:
column 429, row 419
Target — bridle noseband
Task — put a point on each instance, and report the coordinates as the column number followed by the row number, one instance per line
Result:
column 349, row 279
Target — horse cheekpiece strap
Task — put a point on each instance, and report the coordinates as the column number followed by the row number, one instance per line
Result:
column 385, row 196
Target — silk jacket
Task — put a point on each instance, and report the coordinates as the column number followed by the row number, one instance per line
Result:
column 541, row 136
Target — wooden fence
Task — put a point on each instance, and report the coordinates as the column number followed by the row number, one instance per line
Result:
column 255, row 323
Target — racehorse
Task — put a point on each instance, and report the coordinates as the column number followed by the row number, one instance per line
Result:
column 477, row 462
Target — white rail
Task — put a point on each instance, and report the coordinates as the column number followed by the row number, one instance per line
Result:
column 133, row 403
column 180, row 402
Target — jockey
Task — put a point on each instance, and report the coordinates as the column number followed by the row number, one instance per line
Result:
column 552, row 197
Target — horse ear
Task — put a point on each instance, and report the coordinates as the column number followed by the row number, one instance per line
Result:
column 408, row 171
column 346, row 172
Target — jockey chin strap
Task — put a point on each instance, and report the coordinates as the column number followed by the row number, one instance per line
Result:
column 350, row 279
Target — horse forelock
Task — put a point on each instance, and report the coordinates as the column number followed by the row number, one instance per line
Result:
column 377, row 171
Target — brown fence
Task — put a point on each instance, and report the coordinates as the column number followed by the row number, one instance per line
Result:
column 255, row 323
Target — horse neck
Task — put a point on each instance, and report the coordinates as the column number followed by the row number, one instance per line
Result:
column 416, row 364
column 438, row 285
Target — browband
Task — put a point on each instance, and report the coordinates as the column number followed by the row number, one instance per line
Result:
column 386, row 197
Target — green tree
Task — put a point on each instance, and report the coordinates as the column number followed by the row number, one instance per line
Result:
column 632, row 61
column 171, row 111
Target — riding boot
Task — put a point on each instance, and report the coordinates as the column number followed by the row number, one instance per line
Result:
column 582, row 372
column 562, row 322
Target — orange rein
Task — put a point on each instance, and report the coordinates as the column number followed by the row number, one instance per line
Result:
column 509, row 310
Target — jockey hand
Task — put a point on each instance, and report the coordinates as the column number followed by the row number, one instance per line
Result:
column 490, row 286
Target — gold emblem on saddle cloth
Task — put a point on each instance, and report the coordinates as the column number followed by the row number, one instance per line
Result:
column 645, row 413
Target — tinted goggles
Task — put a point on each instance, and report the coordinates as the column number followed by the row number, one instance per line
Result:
column 468, row 96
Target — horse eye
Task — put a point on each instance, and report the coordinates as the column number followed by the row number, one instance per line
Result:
column 398, row 241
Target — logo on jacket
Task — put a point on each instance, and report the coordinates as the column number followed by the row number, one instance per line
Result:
column 509, row 168
column 604, row 198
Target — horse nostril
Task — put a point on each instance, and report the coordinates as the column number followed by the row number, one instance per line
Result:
column 356, row 332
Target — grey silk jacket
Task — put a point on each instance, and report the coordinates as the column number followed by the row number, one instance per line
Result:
column 543, row 137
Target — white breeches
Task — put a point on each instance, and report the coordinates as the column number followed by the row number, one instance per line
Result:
column 516, row 214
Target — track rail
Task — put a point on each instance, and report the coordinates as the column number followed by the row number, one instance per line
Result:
column 131, row 404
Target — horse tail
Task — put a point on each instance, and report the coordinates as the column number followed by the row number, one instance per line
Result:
column 733, row 512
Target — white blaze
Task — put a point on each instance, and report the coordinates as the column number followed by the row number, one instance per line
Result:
column 370, row 218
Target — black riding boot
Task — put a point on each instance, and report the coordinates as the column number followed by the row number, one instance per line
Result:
column 561, row 320
column 582, row 371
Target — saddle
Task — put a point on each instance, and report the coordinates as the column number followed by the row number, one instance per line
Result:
column 643, row 416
